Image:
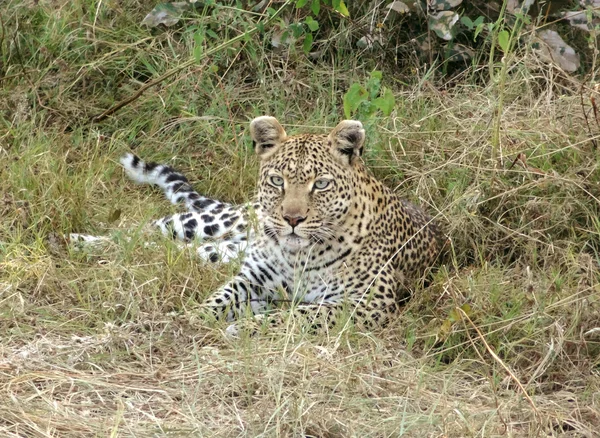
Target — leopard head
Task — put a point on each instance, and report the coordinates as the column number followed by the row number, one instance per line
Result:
column 308, row 182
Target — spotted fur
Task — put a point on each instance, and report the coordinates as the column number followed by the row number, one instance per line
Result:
column 329, row 237
column 222, row 226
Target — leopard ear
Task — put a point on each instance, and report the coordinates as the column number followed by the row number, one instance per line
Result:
column 267, row 135
column 347, row 140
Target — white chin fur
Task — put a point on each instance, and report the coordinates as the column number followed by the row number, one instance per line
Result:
column 293, row 243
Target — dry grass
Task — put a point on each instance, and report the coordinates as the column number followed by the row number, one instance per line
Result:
column 105, row 342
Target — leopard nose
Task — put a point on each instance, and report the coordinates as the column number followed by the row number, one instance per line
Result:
column 294, row 220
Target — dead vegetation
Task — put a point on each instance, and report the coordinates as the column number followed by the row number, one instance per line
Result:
column 504, row 341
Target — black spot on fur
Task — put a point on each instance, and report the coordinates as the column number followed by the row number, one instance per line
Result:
column 177, row 186
column 191, row 224
column 210, row 230
column 202, row 204
column 166, row 170
column 176, row 177
column 135, row 161
column 214, row 257
column 265, row 273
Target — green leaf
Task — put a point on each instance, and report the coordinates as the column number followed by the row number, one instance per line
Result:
column 468, row 23
column 376, row 74
column 311, row 23
column 385, row 102
column 478, row 28
column 455, row 315
column 308, row 40
column 503, row 40
column 374, row 84
column 198, row 47
column 297, row 30
column 301, row 3
column 341, row 8
column 355, row 95
column 367, row 109
column 315, row 7
column 114, row 216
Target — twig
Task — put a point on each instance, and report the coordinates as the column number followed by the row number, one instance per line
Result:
column 472, row 341
column 188, row 63
column 497, row 359
column 1, row 34
column 595, row 108
column 585, row 117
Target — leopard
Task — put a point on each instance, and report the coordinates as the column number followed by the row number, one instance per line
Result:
column 322, row 240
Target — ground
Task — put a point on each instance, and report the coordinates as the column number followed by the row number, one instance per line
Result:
column 504, row 340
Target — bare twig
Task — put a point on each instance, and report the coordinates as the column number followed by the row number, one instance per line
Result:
column 497, row 359
column 587, row 122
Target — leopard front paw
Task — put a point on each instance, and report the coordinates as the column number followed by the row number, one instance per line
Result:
column 249, row 326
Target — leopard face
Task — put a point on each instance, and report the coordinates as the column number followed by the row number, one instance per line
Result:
column 307, row 182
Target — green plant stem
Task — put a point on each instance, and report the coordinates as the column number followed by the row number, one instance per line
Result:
column 498, row 116
column 516, row 29
column 193, row 60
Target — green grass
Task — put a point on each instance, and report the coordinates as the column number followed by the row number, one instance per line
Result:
column 106, row 341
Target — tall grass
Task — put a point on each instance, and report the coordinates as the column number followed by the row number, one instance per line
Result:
column 105, row 341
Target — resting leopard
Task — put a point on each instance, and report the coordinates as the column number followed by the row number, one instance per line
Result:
column 322, row 232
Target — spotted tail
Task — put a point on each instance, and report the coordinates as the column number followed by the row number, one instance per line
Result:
column 207, row 218
column 175, row 185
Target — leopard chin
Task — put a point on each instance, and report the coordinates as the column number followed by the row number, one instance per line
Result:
column 293, row 243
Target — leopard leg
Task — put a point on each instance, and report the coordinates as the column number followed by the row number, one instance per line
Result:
column 369, row 305
column 251, row 291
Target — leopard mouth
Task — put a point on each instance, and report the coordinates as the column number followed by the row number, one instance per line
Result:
column 293, row 242
column 289, row 240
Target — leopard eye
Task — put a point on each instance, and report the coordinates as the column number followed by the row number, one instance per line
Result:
column 276, row 181
column 321, row 184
